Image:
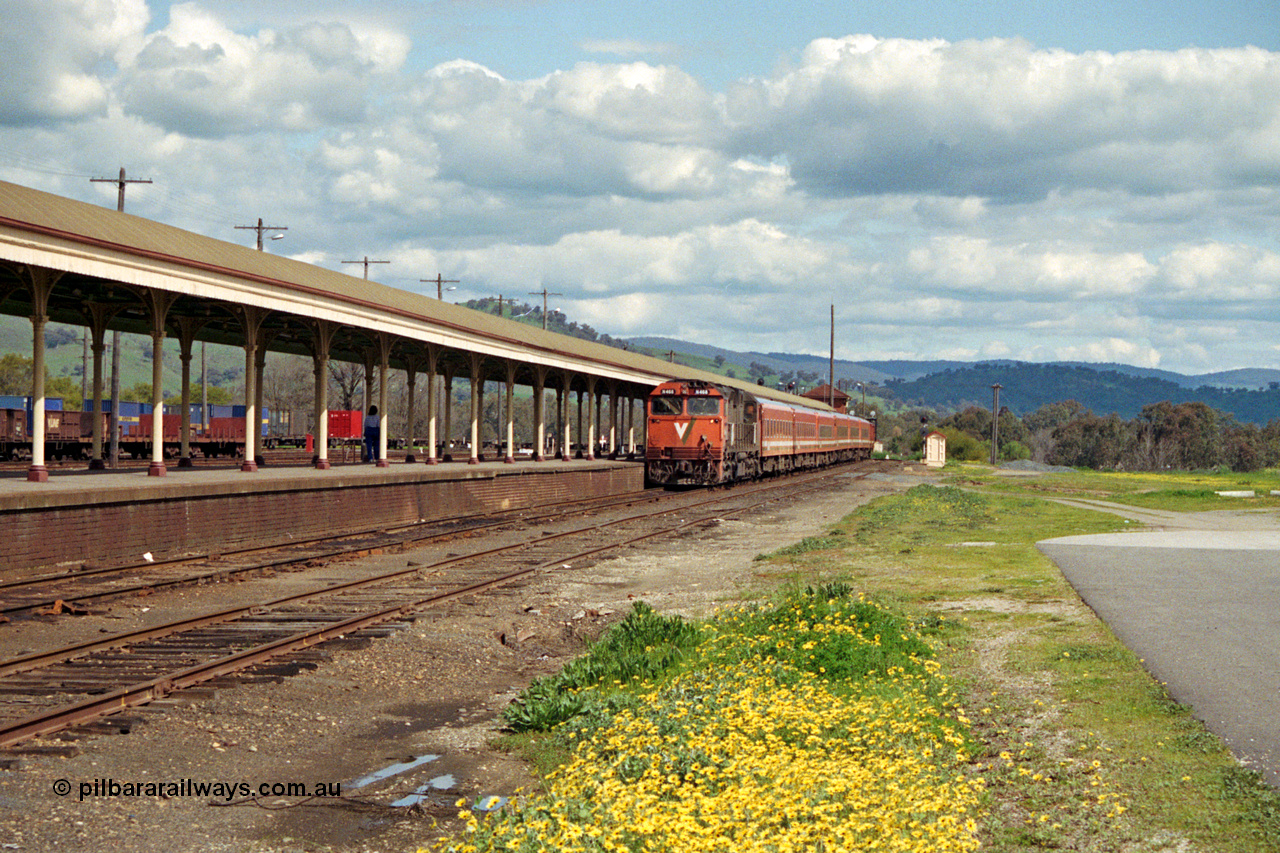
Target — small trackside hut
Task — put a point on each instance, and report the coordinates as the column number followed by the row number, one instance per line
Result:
column 702, row 433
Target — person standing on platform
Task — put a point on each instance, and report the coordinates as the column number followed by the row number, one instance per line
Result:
column 372, row 426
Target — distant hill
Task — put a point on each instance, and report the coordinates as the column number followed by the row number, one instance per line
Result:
column 1250, row 394
column 1027, row 387
column 946, row 386
column 779, row 362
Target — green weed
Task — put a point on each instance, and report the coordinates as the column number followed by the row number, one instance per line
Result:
column 644, row 645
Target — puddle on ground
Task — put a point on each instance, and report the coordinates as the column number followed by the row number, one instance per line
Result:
column 392, row 770
column 440, row 783
column 421, row 794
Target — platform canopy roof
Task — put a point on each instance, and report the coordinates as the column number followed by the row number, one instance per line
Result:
column 109, row 258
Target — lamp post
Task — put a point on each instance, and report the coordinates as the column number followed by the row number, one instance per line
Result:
column 440, row 281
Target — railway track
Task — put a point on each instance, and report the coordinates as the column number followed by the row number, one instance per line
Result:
column 77, row 590
column 50, row 691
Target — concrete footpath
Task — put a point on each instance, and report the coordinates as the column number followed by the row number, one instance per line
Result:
column 1197, row 596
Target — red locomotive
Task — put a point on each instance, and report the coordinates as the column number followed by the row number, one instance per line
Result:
column 703, row 433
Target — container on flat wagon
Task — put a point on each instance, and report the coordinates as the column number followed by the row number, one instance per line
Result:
column 264, row 418
column 344, row 423
column 12, row 401
column 227, row 429
column 172, row 427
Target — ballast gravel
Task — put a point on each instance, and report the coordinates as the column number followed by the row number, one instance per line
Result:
column 205, row 770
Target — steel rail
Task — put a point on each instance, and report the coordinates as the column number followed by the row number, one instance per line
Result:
column 495, row 520
column 146, row 691
column 502, row 517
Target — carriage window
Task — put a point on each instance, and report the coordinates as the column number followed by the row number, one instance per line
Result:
column 666, row 405
column 704, row 405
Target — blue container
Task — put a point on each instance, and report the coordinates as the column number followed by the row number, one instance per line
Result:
column 12, row 401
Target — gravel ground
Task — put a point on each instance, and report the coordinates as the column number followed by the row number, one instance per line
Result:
column 433, row 688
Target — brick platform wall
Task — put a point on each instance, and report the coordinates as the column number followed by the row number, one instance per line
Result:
column 113, row 533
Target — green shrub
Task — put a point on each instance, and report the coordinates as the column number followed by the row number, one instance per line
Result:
column 642, row 646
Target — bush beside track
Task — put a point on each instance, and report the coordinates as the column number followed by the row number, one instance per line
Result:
column 1067, row 743
column 820, row 723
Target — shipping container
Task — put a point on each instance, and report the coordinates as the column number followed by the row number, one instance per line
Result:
column 346, row 424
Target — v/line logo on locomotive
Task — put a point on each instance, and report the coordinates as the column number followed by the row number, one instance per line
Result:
column 703, row 433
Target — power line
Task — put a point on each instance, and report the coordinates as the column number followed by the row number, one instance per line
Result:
column 120, row 183
column 114, row 451
column 366, row 263
column 260, row 228
column 440, row 283
column 28, row 164
column 544, row 292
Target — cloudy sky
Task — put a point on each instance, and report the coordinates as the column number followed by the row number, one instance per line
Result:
column 1084, row 180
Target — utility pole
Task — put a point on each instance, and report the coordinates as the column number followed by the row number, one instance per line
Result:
column 366, row 263
column 119, row 182
column 114, row 444
column 260, row 228
column 995, row 419
column 440, row 283
column 545, row 293
column 831, row 380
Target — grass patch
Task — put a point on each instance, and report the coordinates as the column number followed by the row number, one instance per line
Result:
column 948, row 663
column 835, row 539
column 1081, row 748
column 1179, row 491
column 643, row 646
column 777, row 730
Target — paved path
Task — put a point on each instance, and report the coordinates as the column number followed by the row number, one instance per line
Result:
column 1197, row 596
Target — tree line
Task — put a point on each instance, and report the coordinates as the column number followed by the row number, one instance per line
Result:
column 1030, row 386
column 1182, row 436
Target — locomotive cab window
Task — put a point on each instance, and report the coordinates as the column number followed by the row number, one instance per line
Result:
column 704, row 405
column 666, row 405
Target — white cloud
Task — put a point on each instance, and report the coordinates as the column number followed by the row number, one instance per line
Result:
column 1221, row 273
column 199, row 77
column 986, row 198
column 1039, row 273
column 627, row 47
column 1111, row 350
column 709, row 257
column 54, row 52
column 1000, row 118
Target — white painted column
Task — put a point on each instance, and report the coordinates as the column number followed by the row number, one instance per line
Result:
column 511, row 421
column 384, row 371
column 156, row 468
column 37, row 473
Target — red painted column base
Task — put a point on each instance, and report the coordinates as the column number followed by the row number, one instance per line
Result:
column 383, row 463
column 156, row 469
column 322, row 465
column 249, row 467
column 37, row 474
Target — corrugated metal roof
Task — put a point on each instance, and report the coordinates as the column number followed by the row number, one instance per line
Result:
column 95, row 226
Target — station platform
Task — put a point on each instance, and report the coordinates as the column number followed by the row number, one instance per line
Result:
column 81, row 518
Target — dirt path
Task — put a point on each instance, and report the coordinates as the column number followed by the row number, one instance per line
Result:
column 432, row 689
